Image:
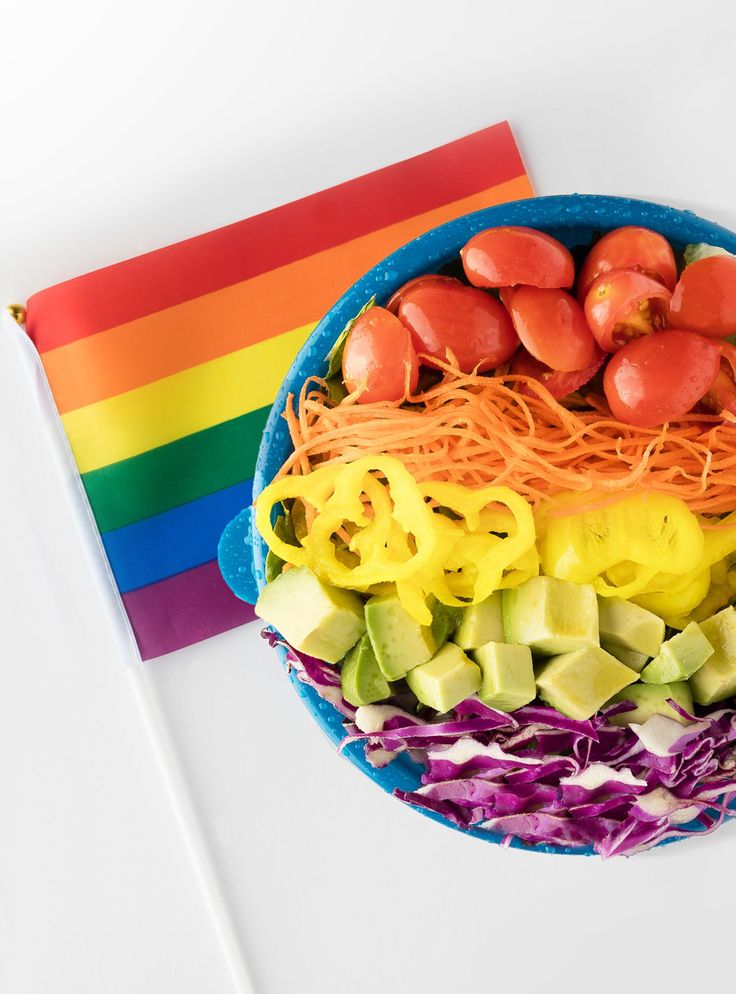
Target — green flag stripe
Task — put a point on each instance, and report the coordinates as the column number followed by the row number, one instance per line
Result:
column 174, row 474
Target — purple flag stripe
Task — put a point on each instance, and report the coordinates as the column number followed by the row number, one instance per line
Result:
column 184, row 609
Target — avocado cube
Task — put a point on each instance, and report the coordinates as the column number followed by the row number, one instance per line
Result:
column 636, row 660
column 716, row 678
column 445, row 620
column 507, row 675
column 445, row 680
column 629, row 626
column 651, row 699
column 579, row 683
column 481, row 623
column 312, row 616
column 551, row 616
column 361, row 679
column 679, row 657
column 399, row 642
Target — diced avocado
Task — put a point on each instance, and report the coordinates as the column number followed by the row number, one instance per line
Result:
column 444, row 621
column 716, row 678
column 313, row 617
column 399, row 642
column 481, row 623
column 679, row 657
column 507, row 675
column 629, row 626
column 651, row 699
column 636, row 660
column 579, row 683
column 551, row 616
column 445, row 680
column 361, row 679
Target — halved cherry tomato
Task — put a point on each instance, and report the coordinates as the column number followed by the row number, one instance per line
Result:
column 509, row 256
column 452, row 317
column 624, row 304
column 552, row 326
column 722, row 395
column 379, row 358
column 705, row 297
column 398, row 295
column 660, row 377
column 629, row 248
column 559, row 384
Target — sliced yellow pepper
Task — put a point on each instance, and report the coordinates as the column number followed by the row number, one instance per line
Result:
column 479, row 547
column 410, row 550
column 697, row 595
column 721, row 592
column 673, row 597
column 525, row 567
column 439, row 539
column 621, row 547
column 314, row 488
column 720, row 538
column 341, row 495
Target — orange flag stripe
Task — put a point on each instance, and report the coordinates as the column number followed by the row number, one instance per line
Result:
column 184, row 336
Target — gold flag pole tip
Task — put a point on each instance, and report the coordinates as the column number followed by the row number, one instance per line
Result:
column 17, row 313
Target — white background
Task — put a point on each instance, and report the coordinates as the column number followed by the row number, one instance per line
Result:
column 128, row 126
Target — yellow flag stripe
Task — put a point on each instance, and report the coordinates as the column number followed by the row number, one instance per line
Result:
column 178, row 405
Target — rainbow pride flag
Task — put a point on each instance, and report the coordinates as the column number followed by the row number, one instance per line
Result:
column 163, row 367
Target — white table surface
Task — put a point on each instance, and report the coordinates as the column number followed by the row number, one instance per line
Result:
column 125, row 127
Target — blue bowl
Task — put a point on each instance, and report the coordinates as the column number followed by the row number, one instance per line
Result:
column 575, row 220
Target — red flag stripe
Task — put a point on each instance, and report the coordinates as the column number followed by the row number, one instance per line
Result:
column 148, row 283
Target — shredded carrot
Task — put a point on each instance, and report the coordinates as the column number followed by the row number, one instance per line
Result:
column 479, row 430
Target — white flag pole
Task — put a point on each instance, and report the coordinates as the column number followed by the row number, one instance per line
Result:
column 152, row 716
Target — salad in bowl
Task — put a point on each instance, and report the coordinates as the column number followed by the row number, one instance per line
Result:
column 494, row 527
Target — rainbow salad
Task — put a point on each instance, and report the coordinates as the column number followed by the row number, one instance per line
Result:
column 505, row 540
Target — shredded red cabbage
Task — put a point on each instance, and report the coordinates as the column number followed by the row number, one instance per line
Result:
column 538, row 776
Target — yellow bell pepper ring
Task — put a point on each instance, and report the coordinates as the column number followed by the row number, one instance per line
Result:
column 395, row 540
column 525, row 567
column 625, row 580
column 373, row 524
column 314, row 488
column 402, row 553
column 487, row 551
column 653, row 532
column 720, row 538
column 721, row 592
column 676, row 597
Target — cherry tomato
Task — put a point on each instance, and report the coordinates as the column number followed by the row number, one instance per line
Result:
column 552, row 326
column 452, row 317
column 705, row 298
column 660, row 377
column 722, row 395
column 624, row 304
column 559, row 384
column 629, row 248
column 431, row 278
column 509, row 256
column 379, row 358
